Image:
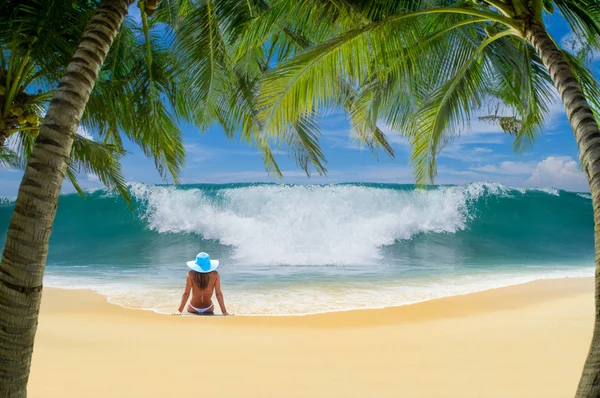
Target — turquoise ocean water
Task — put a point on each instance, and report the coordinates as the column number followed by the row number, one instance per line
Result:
column 288, row 249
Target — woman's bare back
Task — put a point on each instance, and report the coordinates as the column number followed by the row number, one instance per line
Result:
column 202, row 298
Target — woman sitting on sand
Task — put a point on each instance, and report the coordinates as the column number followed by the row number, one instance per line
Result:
column 202, row 280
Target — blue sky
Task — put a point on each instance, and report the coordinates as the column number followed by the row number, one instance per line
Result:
column 481, row 153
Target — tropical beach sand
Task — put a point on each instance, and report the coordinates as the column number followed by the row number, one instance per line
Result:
column 521, row 341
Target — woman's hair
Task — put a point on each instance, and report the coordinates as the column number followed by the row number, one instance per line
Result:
column 201, row 279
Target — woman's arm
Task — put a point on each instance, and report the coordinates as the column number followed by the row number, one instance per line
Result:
column 219, row 294
column 186, row 294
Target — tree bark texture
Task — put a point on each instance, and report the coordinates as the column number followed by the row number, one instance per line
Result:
column 24, row 256
column 587, row 136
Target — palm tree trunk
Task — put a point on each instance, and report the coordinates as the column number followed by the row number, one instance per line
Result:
column 3, row 138
column 587, row 135
column 24, row 257
column 3, row 130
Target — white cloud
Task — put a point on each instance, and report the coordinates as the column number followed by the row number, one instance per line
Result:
column 199, row 153
column 385, row 173
column 507, row 168
column 82, row 131
column 559, row 172
column 195, row 153
column 470, row 155
column 479, row 127
column 556, row 118
column 390, row 173
column 92, row 177
column 464, row 173
column 346, row 139
column 248, row 176
column 573, row 43
column 14, row 142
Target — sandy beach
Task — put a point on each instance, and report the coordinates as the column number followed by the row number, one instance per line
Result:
column 522, row 341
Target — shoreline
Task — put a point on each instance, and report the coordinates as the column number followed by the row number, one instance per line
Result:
column 520, row 341
column 577, row 273
column 535, row 291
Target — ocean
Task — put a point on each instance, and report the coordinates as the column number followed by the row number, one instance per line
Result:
column 302, row 249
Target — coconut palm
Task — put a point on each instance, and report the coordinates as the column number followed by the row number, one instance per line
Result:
column 426, row 68
column 34, row 57
column 21, row 122
column 22, row 91
column 112, row 87
column 38, row 39
column 213, row 49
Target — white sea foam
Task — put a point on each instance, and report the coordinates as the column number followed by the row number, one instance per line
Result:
column 312, row 297
column 524, row 190
column 7, row 200
column 310, row 225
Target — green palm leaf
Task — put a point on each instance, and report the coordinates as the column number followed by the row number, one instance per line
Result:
column 101, row 160
column 9, row 158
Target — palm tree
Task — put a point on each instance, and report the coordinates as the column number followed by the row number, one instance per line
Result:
column 100, row 159
column 281, row 29
column 112, row 87
column 213, row 51
column 21, row 122
column 40, row 37
column 426, row 68
column 33, row 59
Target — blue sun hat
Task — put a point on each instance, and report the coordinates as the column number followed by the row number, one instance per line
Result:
column 203, row 263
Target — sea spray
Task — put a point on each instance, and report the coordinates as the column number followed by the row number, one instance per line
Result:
column 304, row 249
column 305, row 225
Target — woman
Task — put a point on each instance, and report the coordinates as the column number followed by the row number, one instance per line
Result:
column 202, row 280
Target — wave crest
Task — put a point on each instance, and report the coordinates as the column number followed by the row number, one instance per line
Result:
column 310, row 225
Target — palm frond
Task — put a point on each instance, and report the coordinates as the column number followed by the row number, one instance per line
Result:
column 449, row 108
column 204, row 59
column 100, row 159
column 589, row 84
column 583, row 17
column 303, row 141
column 537, row 94
column 363, row 107
column 144, row 106
column 48, row 30
column 9, row 158
column 269, row 160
